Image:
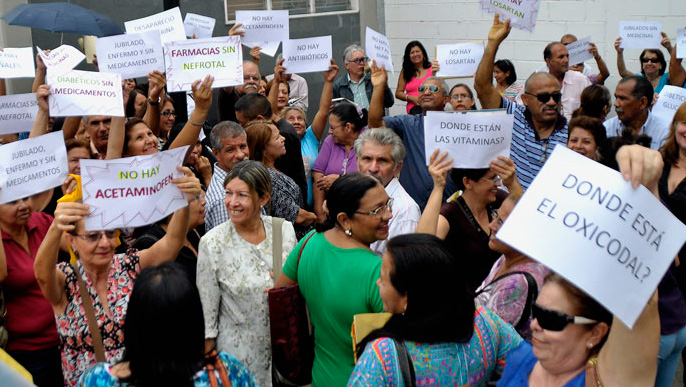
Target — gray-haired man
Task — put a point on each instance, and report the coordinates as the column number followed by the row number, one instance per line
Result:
column 356, row 85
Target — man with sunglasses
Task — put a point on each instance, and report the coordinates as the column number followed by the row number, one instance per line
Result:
column 539, row 125
column 356, row 85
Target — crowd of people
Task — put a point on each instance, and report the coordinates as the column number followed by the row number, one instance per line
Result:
column 360, row 222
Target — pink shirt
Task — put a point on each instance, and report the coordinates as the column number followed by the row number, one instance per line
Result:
column 412, row 87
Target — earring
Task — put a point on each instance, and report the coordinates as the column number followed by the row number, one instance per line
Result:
column 589, row 345
column 349, row 232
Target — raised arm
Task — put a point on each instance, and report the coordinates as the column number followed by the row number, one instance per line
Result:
column 156, row 83
column 603, row 72
column 432, row 222
column 677, row 74
column 234, row 31
column 505, row 168
column 40, row 72
column 319, row 122
column 483, row 80
column 379, row 80
column 621, row 66
column 202, row 94
column 40, row 126
column 3, row 87
column 3, row 264
column 255, row 54
column 400, row 90
column 274, row 90
column 115, row 138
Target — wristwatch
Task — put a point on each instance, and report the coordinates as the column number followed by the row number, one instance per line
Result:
column 155, row 103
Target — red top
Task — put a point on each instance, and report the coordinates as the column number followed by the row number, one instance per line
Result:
column 30, row 317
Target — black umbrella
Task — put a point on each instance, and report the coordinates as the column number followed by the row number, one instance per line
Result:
column 62, row 17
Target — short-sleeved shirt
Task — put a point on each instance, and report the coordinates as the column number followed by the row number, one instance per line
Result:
column 333, row 159
column 337, row 284
column 655, row 127
column 309, row 146
column 520, row 363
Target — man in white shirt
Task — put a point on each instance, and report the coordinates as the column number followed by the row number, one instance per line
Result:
column 380, row 153
column 572, row 82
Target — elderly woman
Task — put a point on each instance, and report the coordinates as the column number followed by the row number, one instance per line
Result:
column 653, row 65
column 108, row 278
column 235, row 263
column 337, row 271
column 435, row 323
column 151, row 358
column 416, row 69
column 462, row 98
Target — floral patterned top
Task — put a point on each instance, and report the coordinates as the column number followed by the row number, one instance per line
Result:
column 441, row 364
column 232, row 276
column 99, row 375
column 72, row 325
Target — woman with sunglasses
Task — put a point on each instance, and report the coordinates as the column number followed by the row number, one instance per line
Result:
column 463, row 222
column 505, row 78
column 654, row 66
column 108, row 278
column 416, row 69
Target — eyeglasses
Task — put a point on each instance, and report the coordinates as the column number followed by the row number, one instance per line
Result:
column 497, row 180
column 432, row 88
column 651, row 60
column 460, row 96
column 359, row 61
column 553, row 320
column 94, row 237
column 379, row 212
column 545, row 97
column 167, row 114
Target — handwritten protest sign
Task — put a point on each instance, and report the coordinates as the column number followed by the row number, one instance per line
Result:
column 609, row 239
column 30, row 166
column 472, row 139
column 640, row 34
column 62, row 59
column 80, row 93
column 307, row 55
column 131, row 55
column 198, row 25
column 378, row 49
column 578, row 51
column 267, row 48
column 681, row 43
column 671, row 97
column 17, row 63
column 458, row 60
column 264, row 26
column 522, row 13
column 17, row 112
column 190, row 60
column 133, row 191
column 169, row 23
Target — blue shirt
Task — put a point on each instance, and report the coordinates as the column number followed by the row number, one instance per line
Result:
column 309, row 147
column 520, row 363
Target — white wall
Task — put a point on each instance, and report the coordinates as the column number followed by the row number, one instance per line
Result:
column 14, row 36
column 442, row 21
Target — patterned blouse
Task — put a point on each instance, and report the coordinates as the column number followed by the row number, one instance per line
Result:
column 72, row 325
column 441, row 364
column 99, row 375
column 232, row 276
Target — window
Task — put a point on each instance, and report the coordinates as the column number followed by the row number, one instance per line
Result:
column 296, row 8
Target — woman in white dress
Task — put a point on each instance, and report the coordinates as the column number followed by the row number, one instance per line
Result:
column 235, row 262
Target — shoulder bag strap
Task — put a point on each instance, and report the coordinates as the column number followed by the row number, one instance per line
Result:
column 405, row 361
column 277, row 246
column 90, row 315
column 531, row 294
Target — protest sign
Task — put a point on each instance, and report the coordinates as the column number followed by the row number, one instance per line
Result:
column 640, row 34
column 588, row 224
column 169, row 23
column 458, row 60
column 267, row 48
column 522, row 14
column 131, row 55
column 264, row 26
column 578, row 51
column 671, row 97
column 681, row 43
column 30, row 166
column 198, row 25
column 190, row 60
column 133, row 191
column 17, row 113
column 472, row 139
column 62, row 59
column 307, row 55
column 17, row 63
column 85, row 93
column 378, row 49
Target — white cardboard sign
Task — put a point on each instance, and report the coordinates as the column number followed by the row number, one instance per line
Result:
column 458, row 60
column 378, row 49
column 671, row 97
column 681, row 43
column 472, row 139
column 30, row 166
column 585, row 222
column 169, row 23
column 522, row 13
column 307, row 55
column 17, row 63
column 81, row 93
column 131, row 55
column 198, row 25
column 17, row 112
column 133, row 191
column 640, row 34
column 62, row 59
column 267, row 48
column 264, row 26
column 578, row 51
column 190, row 60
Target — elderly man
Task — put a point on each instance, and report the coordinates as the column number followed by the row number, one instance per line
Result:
column 98, row 127
column 380, row 153
column 573, row 82
column 356, row 85
column 229, row 95
column 230, row 146
column 538, row 125
column 633, row 98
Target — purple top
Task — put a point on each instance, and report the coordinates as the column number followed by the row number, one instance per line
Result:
column 334, row 160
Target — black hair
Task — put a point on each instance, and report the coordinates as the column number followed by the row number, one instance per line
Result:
column 469, row 91
column 131, row 104
column 608, row 155
column 660, row 58
column 593, row 99
column 472, row 174
column 440, row 306
column 344, row 196
column 506, row 65
column 347, row 112
column 252, row 105
column 127, row 132
column 548, row 50
column 409, row 71
column 642, row 88
column 164, row 333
